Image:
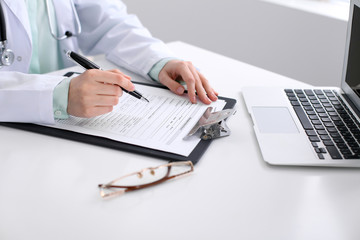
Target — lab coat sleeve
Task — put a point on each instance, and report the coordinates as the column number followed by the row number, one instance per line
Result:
column 27, row 97
column 108, row 28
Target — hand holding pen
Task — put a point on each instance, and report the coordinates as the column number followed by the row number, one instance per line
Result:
column 96, row 92
column 87, row 64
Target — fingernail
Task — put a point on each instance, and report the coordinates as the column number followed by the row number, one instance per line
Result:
column 193, row 99
column 214, row 96
column 132, row 87
column 180, row 90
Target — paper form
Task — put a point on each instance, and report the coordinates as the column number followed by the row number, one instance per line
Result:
column 160, row 124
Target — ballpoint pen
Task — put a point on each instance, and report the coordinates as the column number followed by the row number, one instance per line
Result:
column 87, row 64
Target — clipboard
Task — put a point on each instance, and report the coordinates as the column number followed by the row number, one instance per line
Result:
column 194, row 156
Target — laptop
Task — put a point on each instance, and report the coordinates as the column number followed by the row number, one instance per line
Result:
column 312, row 127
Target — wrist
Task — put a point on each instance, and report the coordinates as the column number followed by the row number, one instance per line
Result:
column 156, row 69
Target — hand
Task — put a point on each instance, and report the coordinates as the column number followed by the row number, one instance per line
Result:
column 95, row 92
column 180, row 70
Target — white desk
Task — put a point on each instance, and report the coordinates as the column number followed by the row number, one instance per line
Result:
column 48, row 186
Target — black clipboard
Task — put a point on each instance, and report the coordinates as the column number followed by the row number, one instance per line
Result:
column 194, row 156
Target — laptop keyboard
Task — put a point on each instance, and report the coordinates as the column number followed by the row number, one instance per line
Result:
column 329, row 124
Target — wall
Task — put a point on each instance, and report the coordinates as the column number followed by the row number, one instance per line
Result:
column 294, row 43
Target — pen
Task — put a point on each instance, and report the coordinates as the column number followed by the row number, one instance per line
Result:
column 87, row 64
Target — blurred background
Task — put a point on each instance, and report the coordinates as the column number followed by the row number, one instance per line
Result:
column 301, row 39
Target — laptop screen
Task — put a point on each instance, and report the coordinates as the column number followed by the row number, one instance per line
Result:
column 353, row 69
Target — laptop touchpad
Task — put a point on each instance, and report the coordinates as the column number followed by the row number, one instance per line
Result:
column 274, row 120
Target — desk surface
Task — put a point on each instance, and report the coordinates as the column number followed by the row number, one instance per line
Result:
column 48, row 186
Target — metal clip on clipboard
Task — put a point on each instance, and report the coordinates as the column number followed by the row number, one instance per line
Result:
column 212, row 124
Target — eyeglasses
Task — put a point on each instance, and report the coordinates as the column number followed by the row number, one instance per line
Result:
column 145, row 178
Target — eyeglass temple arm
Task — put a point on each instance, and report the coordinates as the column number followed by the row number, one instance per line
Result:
column 132, row 188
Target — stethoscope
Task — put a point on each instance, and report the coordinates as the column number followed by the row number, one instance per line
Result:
column 7, row 56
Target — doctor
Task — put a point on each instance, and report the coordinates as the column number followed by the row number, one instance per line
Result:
column 34, row 35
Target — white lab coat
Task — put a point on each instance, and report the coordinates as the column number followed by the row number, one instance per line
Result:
column 106, row 29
